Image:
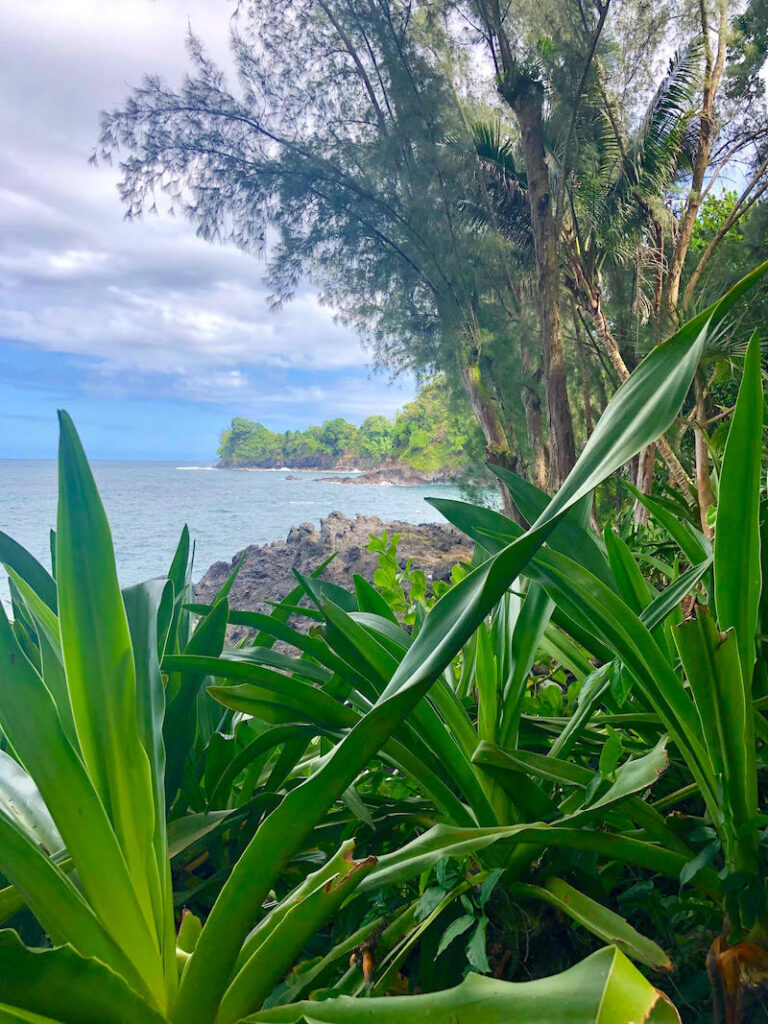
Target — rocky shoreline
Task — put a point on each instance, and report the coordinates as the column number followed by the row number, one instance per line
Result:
column 400, row 476
column 267, row 570
column 397, row 475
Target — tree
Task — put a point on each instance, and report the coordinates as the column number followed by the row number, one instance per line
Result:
column 335, row 147
column 338, row 437
column 246, row 442
column 374, row 439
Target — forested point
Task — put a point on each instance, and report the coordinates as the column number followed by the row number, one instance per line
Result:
column 430, row 434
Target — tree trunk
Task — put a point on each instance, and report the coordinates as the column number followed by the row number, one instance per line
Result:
column 526, row 96
column 497, row 447
column 611, row 346
column 644, row 481
column 533, row 424
column 532, row 405
column 586, row 391
column 703, row 479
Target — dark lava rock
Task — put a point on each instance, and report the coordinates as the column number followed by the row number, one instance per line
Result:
column 266, row 573
column 399, row 475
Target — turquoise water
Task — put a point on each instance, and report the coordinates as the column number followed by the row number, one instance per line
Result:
column 148, row 503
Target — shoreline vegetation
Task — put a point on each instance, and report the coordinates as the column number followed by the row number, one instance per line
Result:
column 430, row 441
column 392, row 474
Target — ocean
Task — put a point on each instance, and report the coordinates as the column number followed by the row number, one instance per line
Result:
column 148, row 503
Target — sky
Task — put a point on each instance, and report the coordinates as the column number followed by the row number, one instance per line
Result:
column 151, row 338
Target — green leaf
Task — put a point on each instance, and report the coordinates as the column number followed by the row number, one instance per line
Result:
column 737, row 535
column 519, row 843
column 370, row 600
column 475, row 949
column 47, row 628
column 596, row 918
column 29, row 719
column 691, row 541
column 712, row 666
column 528, row 630
column 56, row 903
column 101, row 677
column 634, row 776
column 670, row 598
column 21, row 802
column 703, row 859
column 489, row 884
column 630, row 581
column 183, row 832
column 282, row 944
column 177, row 629
column 180, row 725
column 143, row 603
column 610, row 754
column 189, row 931
column 605, row 988
column 572, row 535
column 14, row 556
column 453, row 931
column 487, row 685
column 61, row 984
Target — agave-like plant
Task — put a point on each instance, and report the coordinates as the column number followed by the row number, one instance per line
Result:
column 82, row 710
column 83, row 835
column 694, row 679
column 489, row 796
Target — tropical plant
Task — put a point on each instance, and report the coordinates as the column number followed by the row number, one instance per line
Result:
column 694, row 678
column 82, row 713
column 570, row 802
column 364, row 644
column 82, row 709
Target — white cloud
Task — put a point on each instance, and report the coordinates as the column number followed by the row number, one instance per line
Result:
column 137, row 298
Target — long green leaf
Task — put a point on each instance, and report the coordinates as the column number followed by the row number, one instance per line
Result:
column 142, row 605
column 603, row 989
column 98, row 657
column 282, row 945
column 62, row 984
column 712, row 666
column 572, row 536
column 737, row 533
column 602, row 922
column 28, row 717
column 20, row 801
column 14, row 556
column 522, row 844
column 56, row 903
column 52, row 660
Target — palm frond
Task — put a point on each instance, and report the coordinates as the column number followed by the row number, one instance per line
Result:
column 662, row 144
column 505, row 185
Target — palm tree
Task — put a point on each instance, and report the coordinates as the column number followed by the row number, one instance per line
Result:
column 614, row 211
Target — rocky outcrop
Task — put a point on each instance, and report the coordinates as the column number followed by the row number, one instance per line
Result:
column 267, row 570
column 402, row 476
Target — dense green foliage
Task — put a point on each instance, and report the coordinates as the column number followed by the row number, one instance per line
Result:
column 551, row 768
column 571, row 729
column 527, row 223
column 430, row 434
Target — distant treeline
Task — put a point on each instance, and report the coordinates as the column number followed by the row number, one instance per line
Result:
column 426, row 435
